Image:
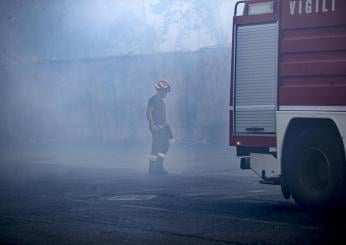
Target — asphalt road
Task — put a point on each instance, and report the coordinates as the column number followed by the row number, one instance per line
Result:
column 44, row 201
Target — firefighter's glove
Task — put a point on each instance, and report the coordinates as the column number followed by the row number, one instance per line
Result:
column 153, row 127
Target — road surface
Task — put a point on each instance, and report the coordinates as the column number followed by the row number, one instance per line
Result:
column 104, row 196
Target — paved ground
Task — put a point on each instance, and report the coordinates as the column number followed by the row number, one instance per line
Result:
column 103, row 196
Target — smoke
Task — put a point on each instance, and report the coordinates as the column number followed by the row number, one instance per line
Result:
column 36, row 29
column 80, row 73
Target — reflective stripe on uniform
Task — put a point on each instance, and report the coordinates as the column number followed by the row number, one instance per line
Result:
column 153, row 158
column 161, row 155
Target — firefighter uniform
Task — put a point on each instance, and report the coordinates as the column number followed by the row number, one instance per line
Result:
column 160, row 130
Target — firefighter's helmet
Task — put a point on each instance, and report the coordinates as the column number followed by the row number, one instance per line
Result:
column 163, row 85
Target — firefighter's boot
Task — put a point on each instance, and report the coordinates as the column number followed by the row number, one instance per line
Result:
column 160, row 168
column 153, row 167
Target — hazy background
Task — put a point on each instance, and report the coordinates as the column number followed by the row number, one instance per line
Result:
column 64, row 29
column 81, row 72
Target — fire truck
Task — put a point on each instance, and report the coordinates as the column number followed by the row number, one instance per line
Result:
column 288, row 96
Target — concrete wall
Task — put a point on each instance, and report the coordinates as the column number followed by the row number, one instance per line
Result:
column 104, row 100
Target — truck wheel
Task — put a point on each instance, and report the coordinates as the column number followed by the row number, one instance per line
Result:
column 316, row 170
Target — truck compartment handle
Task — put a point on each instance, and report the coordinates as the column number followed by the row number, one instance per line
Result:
column 255, row 129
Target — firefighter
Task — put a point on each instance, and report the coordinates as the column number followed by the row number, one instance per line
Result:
column 160, row 130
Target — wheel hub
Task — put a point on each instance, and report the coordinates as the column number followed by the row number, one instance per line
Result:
column 316, row 170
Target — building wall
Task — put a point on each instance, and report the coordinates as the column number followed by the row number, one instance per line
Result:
column 104, row 100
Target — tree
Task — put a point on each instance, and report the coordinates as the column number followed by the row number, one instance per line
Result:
column 196, row 23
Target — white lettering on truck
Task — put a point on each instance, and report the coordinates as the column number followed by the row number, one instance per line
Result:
column 307, row 6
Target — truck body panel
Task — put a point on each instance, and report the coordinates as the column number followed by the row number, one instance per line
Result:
column 288, row 116
column 312, row 53
column 311, row 58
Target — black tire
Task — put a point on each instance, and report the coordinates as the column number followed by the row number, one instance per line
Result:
column 316, row 169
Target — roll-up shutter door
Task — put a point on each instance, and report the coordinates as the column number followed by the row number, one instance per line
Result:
column 255, row 98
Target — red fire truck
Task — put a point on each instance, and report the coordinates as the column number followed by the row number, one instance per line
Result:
column 288, row 96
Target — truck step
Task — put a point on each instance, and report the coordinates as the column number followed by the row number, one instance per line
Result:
column 273, row 181
column 245, row 163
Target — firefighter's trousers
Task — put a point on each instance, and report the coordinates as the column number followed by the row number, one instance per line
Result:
column 160, row 142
